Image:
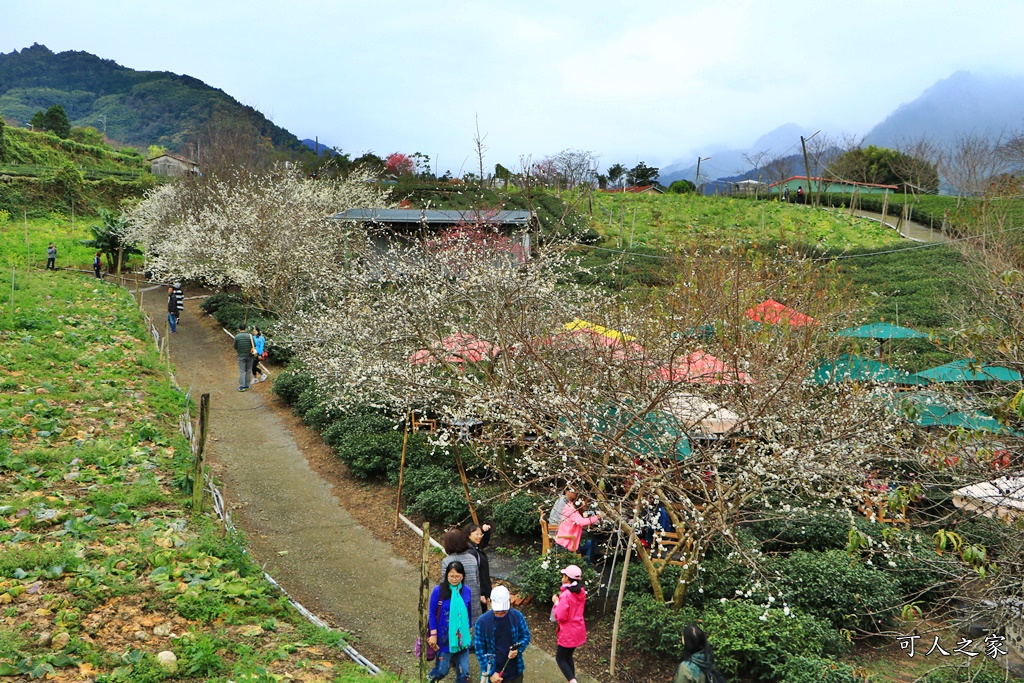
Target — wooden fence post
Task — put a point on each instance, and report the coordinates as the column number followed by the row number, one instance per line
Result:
column 401, row 467
column 197, row 474
column 424, row 600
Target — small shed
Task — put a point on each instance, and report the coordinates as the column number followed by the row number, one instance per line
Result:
column 172, row 165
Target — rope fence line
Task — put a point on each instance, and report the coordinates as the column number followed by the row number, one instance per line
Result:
column 220, row 508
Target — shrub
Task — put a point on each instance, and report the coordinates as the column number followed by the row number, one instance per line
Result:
column 752, row 642
column 803, row 530
column 212, row 304
column 835, row 587
column 290, row 384
column 542, row 575
column 517, row 516
column 434, row 492
column 652, row 626
column 970, row 672
column 817, row 670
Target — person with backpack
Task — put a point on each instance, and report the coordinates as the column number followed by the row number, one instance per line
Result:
column 499, row 638
column 451, row 624
column 568, row 614
column 698, row 665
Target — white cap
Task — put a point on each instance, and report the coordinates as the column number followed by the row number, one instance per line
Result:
column 500, row 601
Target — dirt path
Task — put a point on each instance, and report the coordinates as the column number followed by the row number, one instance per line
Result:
column 296, row 522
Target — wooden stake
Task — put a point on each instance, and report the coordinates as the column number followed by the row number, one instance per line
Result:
column 465, row 483
column 197, row 473
column 618, row 605
column 401, row 467
column 424, row 599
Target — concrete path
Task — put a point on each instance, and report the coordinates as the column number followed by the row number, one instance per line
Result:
column 296, row 527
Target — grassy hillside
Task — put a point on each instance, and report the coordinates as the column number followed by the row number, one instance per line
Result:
column 140, row 108
column 670, row 220
column 102, row 565
column 42, row 175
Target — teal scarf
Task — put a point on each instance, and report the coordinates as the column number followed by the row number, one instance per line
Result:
column 459, row 635
column 698, row 665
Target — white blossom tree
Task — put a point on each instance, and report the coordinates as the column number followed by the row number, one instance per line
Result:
column 269, row 234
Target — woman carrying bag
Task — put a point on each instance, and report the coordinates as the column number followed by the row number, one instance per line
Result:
column 451, row 624
column 568, row 613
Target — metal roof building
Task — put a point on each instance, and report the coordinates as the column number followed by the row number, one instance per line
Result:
column 436, row 217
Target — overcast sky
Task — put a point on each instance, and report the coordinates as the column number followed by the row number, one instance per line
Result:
column 656, row 81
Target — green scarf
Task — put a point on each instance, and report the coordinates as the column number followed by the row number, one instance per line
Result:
column 459, row 635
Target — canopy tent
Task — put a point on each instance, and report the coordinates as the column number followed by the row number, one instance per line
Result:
column 882, row 330
column 582, row 334
column 927, row 410
column 653, row 433
column 848, row 367
column 1001, row 498
column 456, row 348
column 700, row 367
column 771, row 312
column 697, row 414
column 969, row 371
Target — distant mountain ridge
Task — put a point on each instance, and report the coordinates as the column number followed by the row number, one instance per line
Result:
column 962, row 104
column 138, row 108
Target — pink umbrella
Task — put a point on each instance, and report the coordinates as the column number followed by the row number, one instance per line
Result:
column 458, row 348
column 702, row 368
column 771, row 312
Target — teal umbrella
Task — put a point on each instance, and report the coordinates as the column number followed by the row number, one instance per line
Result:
column 653, row 433
column 850, row 368
column 926, row 411
column 882, row 330
column 969, row 371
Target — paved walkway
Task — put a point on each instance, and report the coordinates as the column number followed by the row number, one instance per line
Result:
column 295, row 525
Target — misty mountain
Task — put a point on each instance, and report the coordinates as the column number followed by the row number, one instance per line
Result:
column 138, row 108
column 729, row 163
column 961, row 104
column 325, row 149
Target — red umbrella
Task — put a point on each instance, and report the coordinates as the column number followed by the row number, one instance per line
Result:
column 771, row 312
column 702, row 368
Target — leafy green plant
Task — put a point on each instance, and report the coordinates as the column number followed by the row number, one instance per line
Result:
column 651, row 626
column 198, row 654
column 435, row 493
column 842, row 590
column 817, row 670
column 517, row 516
column 541, row 576
column 751, row 641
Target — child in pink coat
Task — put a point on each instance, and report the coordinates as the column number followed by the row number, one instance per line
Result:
column 568, row 612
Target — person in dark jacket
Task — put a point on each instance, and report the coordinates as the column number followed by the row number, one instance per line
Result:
column 698, row 659
column 96, row 264
column 499, row 638
column 51, row 257
column 451, row 625
column 172, row 310
column 244, row 347
column 479, row 537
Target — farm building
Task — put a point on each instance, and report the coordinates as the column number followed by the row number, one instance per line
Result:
column 828, row 185
column 172, row 165
column 409, row 225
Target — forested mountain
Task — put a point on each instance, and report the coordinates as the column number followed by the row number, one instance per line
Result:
column 137, row 108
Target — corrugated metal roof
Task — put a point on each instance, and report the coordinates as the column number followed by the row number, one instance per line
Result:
column 434, row 216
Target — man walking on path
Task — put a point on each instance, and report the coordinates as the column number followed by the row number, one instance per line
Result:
column 172, row 310
column 51, row 257
column 244, row 347
column 499, row 637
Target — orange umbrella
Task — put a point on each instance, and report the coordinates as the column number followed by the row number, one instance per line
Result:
column 458, row 348
column 771, row 312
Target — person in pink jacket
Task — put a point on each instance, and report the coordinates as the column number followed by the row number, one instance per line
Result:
column 568, row 612
column 570, row 530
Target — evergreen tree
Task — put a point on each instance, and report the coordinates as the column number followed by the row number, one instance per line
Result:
column 3, row 141
column 56, row 121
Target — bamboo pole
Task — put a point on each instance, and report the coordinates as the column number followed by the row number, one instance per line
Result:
column 197, row 474
column 465, row 483
column 618, row 605
column 401, row 467
column 424, row 599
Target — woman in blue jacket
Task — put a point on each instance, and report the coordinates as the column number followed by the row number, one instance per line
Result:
column 451, row 624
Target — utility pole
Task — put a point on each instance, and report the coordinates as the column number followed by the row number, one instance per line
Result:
column 807, row 166
column 696, row 184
